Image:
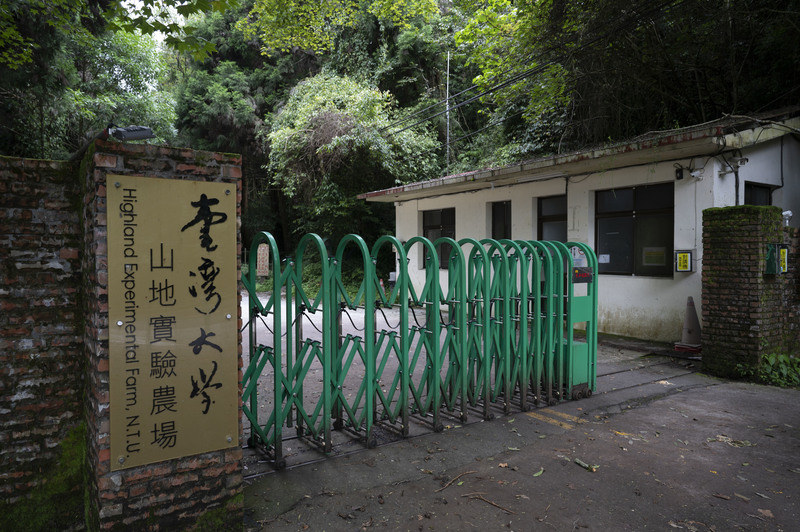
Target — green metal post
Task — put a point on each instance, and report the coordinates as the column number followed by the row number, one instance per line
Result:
column 367, row 292
column 549, row 323
column 559, row 273
column 478, row 276
column 520, row 352
column 399, row 296
column 455, row 379
column 430, row 332
column 499, row 309
column 532, row 301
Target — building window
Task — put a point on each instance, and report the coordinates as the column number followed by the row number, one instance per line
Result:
column 757, row 194
column 436, row 224
column 635, row 230
column 553, row 218
column 501, row 220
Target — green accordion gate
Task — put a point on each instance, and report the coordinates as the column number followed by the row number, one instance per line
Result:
column 509, row 324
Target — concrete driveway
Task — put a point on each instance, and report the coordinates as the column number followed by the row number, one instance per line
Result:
column 659, row 446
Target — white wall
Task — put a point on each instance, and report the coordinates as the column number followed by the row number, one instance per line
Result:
column 643, row 307
column 473, row 215
column 646, row 307
column 775, row 163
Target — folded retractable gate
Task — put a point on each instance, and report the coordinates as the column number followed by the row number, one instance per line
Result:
column 509, row 322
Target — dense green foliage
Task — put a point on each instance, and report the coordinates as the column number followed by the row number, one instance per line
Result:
column 223, row 100
column 25, row 25
column 75, row 80
column 48, row 110
column 327, row 146
column 775, row 369
column 526, row 79
column 310, row 150
column 603, row 70
column 312, row 25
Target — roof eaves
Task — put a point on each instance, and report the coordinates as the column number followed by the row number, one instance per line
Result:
column 731, row 132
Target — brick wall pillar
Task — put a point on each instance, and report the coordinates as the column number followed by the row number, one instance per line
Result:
column 41, row 367
column 173, row 494
column 791, row 305
column 746, row 312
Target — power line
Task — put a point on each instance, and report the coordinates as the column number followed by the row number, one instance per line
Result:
column 487, row 126
column 623, row 25
column 522, row 75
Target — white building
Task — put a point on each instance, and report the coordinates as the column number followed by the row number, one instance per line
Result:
column 635, row 203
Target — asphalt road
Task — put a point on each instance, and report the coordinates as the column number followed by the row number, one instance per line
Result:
column 659, row 446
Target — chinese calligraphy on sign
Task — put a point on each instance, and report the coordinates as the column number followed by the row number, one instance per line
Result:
column 173, row 308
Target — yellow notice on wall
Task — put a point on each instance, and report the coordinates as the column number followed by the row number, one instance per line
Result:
column 172, row 307
column 683, row 261
column 783, row 259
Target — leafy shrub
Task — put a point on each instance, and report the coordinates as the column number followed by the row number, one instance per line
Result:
column 775, row 369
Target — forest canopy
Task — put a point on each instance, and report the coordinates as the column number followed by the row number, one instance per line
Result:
column 330, row 98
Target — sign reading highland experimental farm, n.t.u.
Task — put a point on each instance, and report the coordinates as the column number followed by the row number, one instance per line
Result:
column 172, row 307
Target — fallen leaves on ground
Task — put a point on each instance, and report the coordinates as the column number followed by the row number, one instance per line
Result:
column 587, row 467
column 730, row 441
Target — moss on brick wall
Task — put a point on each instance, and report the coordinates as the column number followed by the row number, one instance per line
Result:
column 56, row 502
column 745, row 310
column 54, row 469
column 41, row 363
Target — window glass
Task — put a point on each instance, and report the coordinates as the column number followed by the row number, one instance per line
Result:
column 553, row 218
column 756, row 194
column 554, row 230
column 654, row 197
column 615, row 244
column 553, row 206
column 436, row 224
column 431, row 219
column 635, row 230
column 615, row 200
column 654, row 244
column 501, row 220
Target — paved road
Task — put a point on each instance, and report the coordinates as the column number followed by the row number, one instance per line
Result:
column 659, row 446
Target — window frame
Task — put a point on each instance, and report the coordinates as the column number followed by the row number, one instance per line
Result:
column 441, row 227
column 637, row 217
column 505, row 208
column 549, row 218
column 751, row 186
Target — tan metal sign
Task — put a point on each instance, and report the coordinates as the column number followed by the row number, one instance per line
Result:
column 172, row 307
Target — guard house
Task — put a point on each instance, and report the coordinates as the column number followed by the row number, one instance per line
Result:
column 639, row 204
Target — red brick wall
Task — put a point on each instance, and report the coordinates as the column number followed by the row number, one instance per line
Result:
column 54, row 352
column 40, row 321
column 171, row 495
column 746, row 313
column 791, row 304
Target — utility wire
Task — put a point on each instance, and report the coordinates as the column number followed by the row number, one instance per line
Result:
column 623, row 25
column 487, row 126
column 528, row 73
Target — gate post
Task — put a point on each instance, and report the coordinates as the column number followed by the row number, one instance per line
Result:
column 749, row 302
column 161, row 256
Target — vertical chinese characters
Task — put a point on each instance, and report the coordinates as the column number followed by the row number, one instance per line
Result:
column 204, row 291
column 163, row 362
column 171, row 297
